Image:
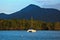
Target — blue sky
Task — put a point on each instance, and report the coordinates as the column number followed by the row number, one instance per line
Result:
column 11, row 6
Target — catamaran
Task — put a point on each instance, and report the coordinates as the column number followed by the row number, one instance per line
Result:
column 31, row 29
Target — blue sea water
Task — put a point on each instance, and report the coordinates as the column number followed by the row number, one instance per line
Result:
column 23, row 35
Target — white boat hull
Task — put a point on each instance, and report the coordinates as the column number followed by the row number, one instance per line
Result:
column 31, row 30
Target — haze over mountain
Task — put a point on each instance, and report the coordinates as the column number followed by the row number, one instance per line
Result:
column 56, row 6
column 44, row 14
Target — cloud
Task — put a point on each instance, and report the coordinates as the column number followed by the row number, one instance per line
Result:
column 56, row 6
column 49, row 3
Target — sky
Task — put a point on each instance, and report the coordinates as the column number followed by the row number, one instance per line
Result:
column 11, row 6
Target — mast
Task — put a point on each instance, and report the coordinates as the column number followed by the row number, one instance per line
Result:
column 31, row 22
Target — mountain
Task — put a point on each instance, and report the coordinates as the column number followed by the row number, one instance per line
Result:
column 44, row 14
column 3, row 16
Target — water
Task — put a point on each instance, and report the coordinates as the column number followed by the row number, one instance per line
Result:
column 23, row 35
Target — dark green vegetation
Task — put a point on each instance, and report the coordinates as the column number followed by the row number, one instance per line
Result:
column 23, row 24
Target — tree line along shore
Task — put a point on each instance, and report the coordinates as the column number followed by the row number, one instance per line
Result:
column 23, row 24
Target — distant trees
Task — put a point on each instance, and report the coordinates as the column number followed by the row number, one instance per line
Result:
column 52, row 26
column 23, row 24
column 57, row 25
column 44, row 26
